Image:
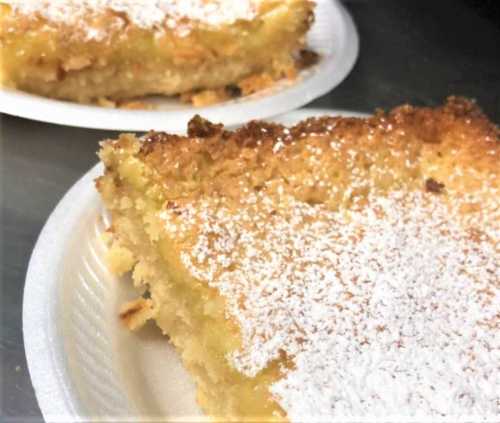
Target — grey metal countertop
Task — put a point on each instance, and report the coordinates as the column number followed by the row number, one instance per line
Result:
column 411, row 51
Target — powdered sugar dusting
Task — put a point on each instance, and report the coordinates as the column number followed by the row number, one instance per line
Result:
column 154, row 14
column 390, row 310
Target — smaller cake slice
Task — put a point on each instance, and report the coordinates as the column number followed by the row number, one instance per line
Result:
column 103, row 50
column 340, row 269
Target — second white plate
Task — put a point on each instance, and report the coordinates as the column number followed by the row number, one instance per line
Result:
column 333, row 36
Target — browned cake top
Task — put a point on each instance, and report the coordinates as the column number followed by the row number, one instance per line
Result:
column 334, row 160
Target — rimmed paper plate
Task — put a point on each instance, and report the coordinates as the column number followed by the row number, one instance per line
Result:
column 333, row 36
column 83, row 363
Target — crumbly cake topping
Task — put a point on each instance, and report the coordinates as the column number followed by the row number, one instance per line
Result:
column 390, row 310
column 156, row 14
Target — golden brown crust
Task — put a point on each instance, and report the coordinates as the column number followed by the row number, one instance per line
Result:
column 458, row 115
column 458, row 127
column 332, row 160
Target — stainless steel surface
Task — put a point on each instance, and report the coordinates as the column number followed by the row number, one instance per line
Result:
column 417, row 52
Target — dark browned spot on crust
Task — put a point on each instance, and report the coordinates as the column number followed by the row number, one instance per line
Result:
column 431, row 185
column 233, row 90
column 307, row 58
column 171, row 205
column 202, row 128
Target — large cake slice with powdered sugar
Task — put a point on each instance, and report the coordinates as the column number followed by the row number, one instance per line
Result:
column 341, row 269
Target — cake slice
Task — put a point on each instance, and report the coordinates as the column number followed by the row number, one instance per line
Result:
column 102, row 50
column 337, row 270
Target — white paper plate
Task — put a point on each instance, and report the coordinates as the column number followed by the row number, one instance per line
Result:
column 333, row 36
column 83, row 363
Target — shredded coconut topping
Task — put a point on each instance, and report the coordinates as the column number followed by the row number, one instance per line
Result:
column 151, row 14
column 391, row 310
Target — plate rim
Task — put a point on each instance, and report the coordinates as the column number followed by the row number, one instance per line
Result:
column 43, row 344
column 20, row 104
